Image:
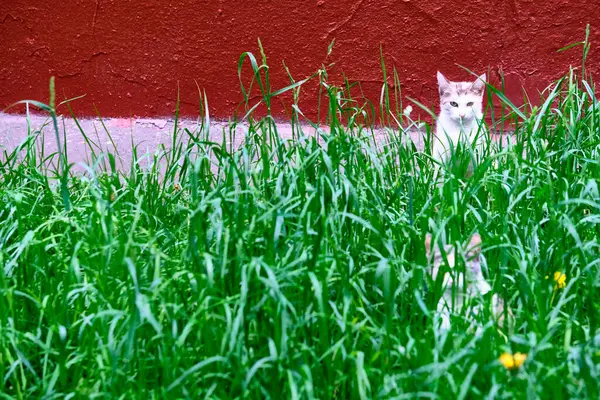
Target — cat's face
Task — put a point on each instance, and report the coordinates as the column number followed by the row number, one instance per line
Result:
column 475, row 282
column 472, row 258
column 461, row 101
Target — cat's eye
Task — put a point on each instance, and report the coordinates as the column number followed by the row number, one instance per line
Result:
column 454, row 104
column 470, row 104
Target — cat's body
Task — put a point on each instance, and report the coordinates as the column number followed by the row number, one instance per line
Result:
column 461, row 115
column 462, row 291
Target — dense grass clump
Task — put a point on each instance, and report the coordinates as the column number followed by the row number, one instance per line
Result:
column 297, row 268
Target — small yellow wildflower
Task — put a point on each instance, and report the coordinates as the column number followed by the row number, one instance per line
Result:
column 560, row 279
column 512, row 361
column 177, row 187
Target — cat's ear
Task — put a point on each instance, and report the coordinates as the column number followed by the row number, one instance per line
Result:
column 479, row 85
column 475, row 240
column 474, row 247
column 443, row 83
column 428, row 244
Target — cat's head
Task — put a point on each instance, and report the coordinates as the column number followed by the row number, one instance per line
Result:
column 461, row 101
column 472, row 258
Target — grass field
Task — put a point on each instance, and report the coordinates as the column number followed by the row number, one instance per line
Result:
column 297, row 269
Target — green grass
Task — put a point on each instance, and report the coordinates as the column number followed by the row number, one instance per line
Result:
column 296, row 268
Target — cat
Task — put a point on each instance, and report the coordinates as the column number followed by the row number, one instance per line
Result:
column 461, row 291
column 461, row 115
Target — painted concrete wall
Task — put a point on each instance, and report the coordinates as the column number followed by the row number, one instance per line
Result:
column 128, row 57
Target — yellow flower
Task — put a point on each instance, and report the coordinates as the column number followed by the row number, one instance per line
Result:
column 512, row 361
column 560, row 279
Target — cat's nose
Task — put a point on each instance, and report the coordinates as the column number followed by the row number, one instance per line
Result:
column 462, row 115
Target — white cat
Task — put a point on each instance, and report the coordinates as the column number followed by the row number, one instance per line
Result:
column 461, row 115
column 463, row 293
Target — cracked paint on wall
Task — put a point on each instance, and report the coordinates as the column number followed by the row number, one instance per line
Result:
column 129, row 58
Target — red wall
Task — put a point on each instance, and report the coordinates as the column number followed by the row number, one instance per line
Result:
column 128, row 57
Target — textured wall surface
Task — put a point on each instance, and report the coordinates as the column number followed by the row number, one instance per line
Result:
column 128, row 57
